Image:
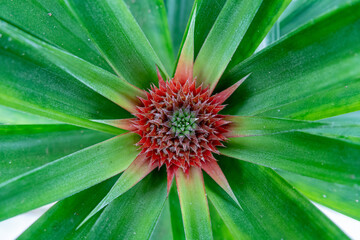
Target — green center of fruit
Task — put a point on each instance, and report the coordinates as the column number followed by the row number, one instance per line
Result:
column 183, row 122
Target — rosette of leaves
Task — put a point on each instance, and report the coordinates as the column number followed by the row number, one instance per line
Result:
column 103, row 103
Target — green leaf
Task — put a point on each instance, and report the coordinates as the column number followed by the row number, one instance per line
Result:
column 115, row 89
column 32, row 89
column 306, row 154
column 184, row 68
column 223, row 39
column 26, row 147
column 60, row 221
column 177, row 224
column 349, row 119
column 346, row 127
column 342, row 198
column 272, row 209
column 13, row 116
column 304, row 11
column 219, row 228
column 350, row 133
column 162, row 229
column 119, row 39
column 32, row 84
column 185, row 37
column 321, row 56
column 134, row 214
column 194, row 206
column 264, row 19
column 151, row 17
column 241, row 126
column 84, row 230
column 207, row 13
column 137, row 170
column 52, row 22
column 178, row 12
column 66, row 176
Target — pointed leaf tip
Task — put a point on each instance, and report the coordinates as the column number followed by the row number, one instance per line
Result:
column 137, row 170
column 225, row 94
column 184, row 70
column 213, row 169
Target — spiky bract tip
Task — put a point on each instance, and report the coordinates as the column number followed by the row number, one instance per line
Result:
column 179, row 125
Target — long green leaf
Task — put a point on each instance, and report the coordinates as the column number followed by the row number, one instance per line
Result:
column 162, row 230
column 349, row 133
column 241, row 126
column 23, row 86
column 134, row 214
column 60, row 221
column 208, row 10
column 115, row 89
column 194, row 206
column 344, row 119
column 342, row 198
column 32, row 84
column 264, row 19
column 151, row 17
column 272, row 209
column 137, row 170
column 26, row 147
column 177, row 224
column 178, row 12
column 52, row 22
column 185, row 37
column 185, row 64
column 346, row 126
column 303, row 11
column 321, row 56
column 223, row 39
column 13, row 116
column 119, row 38
column 33, row 108
column 311, row 155
column 219, row 228
column 46, row 90
column 84, row 230
column 66, row 176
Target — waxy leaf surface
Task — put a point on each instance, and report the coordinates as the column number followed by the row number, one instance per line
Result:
column 134, row 214
column 194, row 206
column 266, row 197
column 119, row 38
column 320, row 157
column 309, row 74
column 60, row 221
column 151, row 17
column 26, row 147
column 66, row 176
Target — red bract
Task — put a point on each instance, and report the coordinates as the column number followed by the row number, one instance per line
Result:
column 180, row 125
column 161, row 143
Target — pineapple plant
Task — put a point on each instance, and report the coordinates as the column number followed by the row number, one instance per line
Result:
column 153, row 119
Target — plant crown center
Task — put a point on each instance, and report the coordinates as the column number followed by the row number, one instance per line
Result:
column 183, row 122
column 179, row 125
